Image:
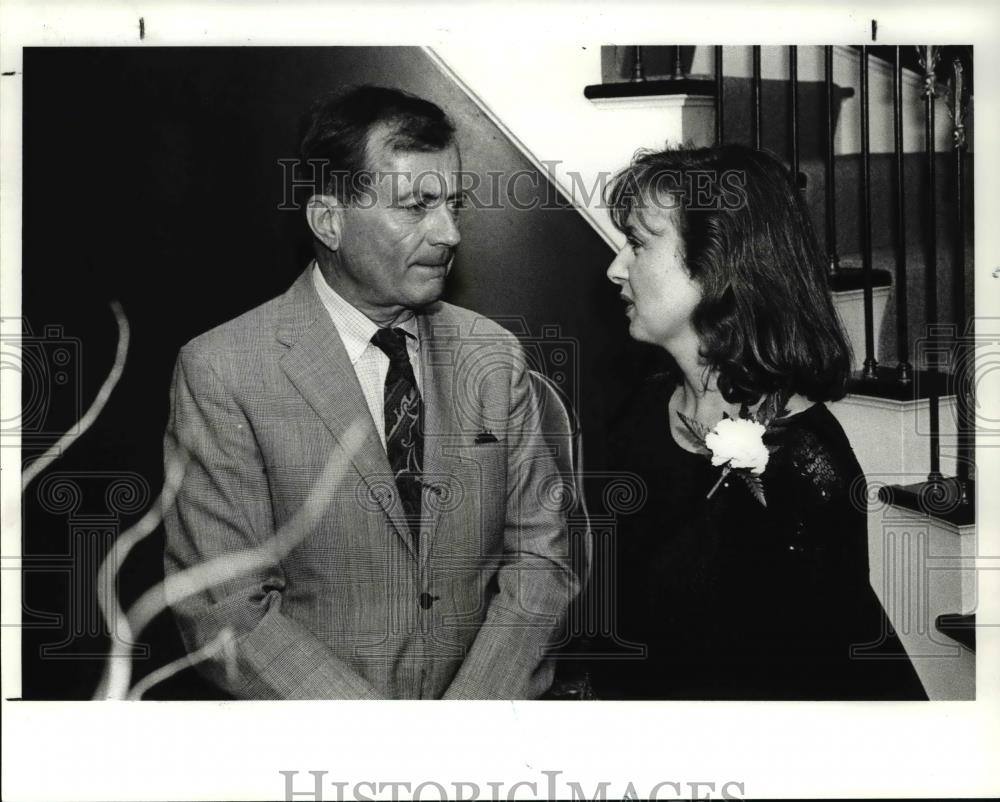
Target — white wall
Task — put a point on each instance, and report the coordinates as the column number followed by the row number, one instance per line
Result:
column 536, row 96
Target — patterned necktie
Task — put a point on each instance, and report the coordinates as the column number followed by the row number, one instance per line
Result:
column 404, row 442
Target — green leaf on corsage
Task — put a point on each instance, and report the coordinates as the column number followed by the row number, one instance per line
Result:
column 755, row 484
column 697, row 432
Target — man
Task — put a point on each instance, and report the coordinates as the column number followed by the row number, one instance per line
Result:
column 434, row 566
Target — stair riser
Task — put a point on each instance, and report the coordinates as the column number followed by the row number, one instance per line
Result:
column 919, row 570
column 892, row 439
column 915, row 562
column 851, row 310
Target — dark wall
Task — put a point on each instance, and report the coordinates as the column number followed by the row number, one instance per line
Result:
column 151, row 177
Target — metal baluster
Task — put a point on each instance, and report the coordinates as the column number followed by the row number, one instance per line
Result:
column 678, row 63
column 871, row 364
column 756, row 96
column 831, row 196
column 963, row 397
column 957, row 106
column 719, row 103
column 928, row 60
column 793, row 88
column 902, row 309
column 638, row 74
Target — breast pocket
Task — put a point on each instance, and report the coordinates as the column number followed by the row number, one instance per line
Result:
column 470, row 497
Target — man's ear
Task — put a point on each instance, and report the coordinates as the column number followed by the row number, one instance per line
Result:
column 324, row 213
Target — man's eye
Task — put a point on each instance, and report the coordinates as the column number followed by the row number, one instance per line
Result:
column 634, row 244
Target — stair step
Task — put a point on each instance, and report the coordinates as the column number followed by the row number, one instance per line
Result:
column 883, row 262
column 847, row 176
column 946, row 499
column 961, row 628
column 850, row 275
column 886, row 385
column 651, row 88
column 923, row 569
column 891, row 437
column 775, row 103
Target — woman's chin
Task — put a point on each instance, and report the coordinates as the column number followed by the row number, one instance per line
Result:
column 636, row 331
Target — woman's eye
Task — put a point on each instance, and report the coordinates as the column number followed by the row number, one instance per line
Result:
column 634, row 244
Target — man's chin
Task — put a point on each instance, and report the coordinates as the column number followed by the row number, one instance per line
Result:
column 428, row 291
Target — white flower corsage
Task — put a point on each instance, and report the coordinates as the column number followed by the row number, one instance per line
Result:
column 737, row 444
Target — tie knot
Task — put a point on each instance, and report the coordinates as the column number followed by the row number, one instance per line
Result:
column 393, row 344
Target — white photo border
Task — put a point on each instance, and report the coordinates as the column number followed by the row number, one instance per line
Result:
column 213, row 750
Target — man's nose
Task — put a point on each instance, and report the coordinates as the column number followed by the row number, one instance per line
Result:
column 618, row 269
column 444, row 227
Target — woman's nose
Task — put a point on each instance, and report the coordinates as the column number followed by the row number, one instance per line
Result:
column 618, row 269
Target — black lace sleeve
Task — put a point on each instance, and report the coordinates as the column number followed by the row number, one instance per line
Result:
column 817, row 497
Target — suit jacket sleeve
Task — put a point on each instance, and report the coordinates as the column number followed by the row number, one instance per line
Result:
column 223, row 507
column 535, row 582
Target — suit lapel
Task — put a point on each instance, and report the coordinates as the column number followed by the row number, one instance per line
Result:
column 318, row 366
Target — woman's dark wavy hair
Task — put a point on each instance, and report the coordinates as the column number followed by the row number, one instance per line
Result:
column 766, row 321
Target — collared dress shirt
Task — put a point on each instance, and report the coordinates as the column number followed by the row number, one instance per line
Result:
column 371, row 365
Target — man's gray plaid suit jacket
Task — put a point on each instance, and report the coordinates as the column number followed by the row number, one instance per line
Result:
column 259, row 404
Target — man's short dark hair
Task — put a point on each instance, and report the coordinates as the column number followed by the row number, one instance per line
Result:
column 337, row 127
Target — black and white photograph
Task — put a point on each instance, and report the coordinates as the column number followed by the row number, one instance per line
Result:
column 641, row 396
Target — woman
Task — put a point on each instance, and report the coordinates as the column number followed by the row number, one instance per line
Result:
column 745, row 575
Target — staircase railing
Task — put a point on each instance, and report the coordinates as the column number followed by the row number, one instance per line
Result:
column 903, row 366
column 935, row 380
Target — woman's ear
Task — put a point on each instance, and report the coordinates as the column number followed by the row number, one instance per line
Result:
column 324, row 214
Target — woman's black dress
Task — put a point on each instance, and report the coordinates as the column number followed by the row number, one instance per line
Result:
column 733, row 600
